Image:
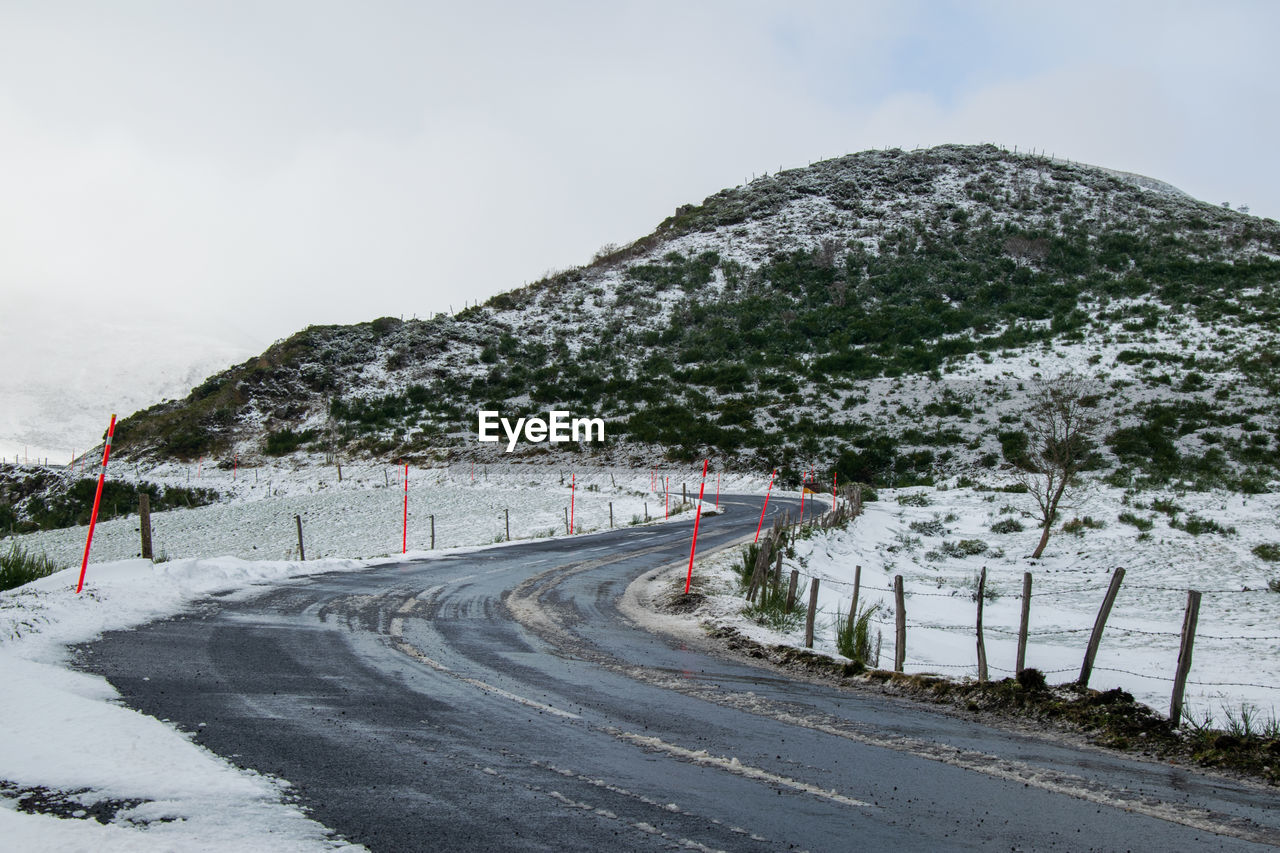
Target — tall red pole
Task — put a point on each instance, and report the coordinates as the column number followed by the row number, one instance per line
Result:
column 404, row 542
column 97, row 501
column 766, row 504
column 835, row 477
column 573, row 490
column 235, row 467
column 804, row 479
column 688, row 581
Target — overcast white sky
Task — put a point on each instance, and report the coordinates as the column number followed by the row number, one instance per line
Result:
column 182, row 183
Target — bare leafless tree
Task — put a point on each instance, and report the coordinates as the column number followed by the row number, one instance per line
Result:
column 1061, row 422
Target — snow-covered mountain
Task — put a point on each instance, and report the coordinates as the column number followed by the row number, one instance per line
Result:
column 879, row 314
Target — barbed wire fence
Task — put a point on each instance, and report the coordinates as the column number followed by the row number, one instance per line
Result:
column 897, row 624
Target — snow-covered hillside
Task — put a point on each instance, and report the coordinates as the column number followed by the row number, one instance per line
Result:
column 889, row 303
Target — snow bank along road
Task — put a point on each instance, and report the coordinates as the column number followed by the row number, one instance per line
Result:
column 516, row 697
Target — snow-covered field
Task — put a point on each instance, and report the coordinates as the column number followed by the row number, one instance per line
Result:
column 363, row 516
column 65, row 732
column 1236, row 659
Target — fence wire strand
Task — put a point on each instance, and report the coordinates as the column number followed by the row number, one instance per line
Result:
column 884, row 621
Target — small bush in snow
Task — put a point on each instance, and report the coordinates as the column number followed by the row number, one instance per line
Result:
column 854, row 640
column 1137, row 521
column 1077, row 526
column 932, row 527
column 20, row 566
column 1269, row 551
column 903, row 542
column 963, row 548
column 1007, row 525
column 914, row 499
column 1196, row 525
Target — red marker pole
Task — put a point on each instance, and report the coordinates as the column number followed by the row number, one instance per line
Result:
column 235, row 467
column 573, row 490
column 766, row 504
column 97, row 501
column 404, row 542
column 688, row 581
column 835, row 476
column 804, row 479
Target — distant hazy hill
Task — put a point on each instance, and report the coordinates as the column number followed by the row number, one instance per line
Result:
column 880, row 313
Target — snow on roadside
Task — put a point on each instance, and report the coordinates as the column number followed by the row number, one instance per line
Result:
column 66, row 731
column 1235, row 661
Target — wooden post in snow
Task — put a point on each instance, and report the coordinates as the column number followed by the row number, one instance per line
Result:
column 1086, row 669
column 1022, row 624
column 1189, row 620
column 811, row 615
column 144, row 523
column 982, row 648
column 900, row 625
column 302, row 554
column 853, row 605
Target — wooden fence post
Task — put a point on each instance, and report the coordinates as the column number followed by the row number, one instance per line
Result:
column 791, row 589
column 507, row 515
column 1095, row 638
column 433, row 533
column 853, row 606
column 610, row 512
column 982, row 648
column 1189, row 620
column 900, row 625
column 1022, row 624
column 812, row 614
column 761, row 572
column 302, row 554
column 144, row 523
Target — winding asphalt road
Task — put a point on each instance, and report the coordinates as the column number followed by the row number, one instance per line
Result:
column 509, row 698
